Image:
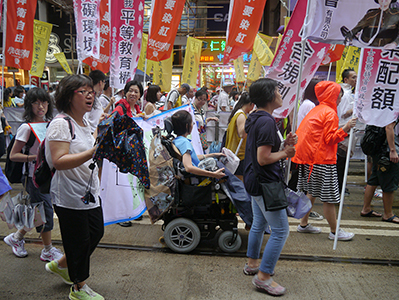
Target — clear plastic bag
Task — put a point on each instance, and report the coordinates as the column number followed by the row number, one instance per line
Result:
column 298, row 204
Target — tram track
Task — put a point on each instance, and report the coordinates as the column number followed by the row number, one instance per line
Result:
column 209, row 252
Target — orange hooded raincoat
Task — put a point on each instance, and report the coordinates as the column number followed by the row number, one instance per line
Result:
column 318, row 133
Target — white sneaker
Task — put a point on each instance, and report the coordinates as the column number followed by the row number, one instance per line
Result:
column 85, row 293
column 315, row 216
column 342, row 235
column 17, row 246
column 52, row 254
column 308, row 229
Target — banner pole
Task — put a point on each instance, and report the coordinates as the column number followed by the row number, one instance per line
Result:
column 348, row 153
column 145, row 74
column 3, row 52
column 329, row 71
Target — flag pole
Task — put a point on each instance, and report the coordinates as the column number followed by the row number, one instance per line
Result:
column 348, row 153
column 145, row 74
column 329, row 71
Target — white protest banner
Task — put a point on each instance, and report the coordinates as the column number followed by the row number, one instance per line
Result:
column 286, row 64
column 87, row 18
column 360, row 22
column 122, row 194
column 126, row 36
column 378, row 99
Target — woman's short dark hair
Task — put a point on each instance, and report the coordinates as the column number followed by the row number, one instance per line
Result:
column 133, row 82
column 309, row 91
column 200, row 92
column 392, row 1
column 181, row 121
column 66, row 90
column 32, row 96
column 244, row 99
column 263, row 91
column 18, row 90
column 152, row 92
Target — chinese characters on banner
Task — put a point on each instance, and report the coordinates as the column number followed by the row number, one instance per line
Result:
column 254, row 68
column 163, row 73
column 41, row 36
column 286, row 63
column 349, row 60
column 378, row 99
column 87, row 19
column 143, row 52
column 243, row 25
column 102, row 63
column 262, row 50
column 126, row 34
column 357, row 21
column 165, row 19
column 19, row 41
column 239, row 69
column 191, row 61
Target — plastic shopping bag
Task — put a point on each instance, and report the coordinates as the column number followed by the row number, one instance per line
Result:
column 298, row 204
column 231, row 161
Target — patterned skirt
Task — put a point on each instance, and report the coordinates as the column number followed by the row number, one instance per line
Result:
column 322, row 183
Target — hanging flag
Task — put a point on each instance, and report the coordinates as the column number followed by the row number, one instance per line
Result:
column 266, row 38
column 350, row 60
column 126, row 35
column 163, row 73
column 102, row 63
column 334, row 53
column 263, row 52
column 244, row 20
column 358, row 22
column 287, row 61
column 19, row 36
column 143, row 54
column 191, row 61
column 165, row 20
column 87, row 19
column 63, row 62
column 338, row 66
column 254, row 68
column 239, row 69
column 280, row 36
column 41, row 36
column 378, row 99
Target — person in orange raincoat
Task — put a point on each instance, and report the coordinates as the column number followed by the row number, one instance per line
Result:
column 316, row 153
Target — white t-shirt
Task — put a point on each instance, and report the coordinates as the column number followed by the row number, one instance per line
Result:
column 69, row 186
column 94, row 116
column 223, row 100
column 304, row 109
column 104, row 100
column 23, row 134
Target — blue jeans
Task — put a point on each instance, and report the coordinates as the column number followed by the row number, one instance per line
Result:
column 278, row 221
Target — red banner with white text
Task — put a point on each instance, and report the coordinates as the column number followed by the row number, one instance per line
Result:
column 19, row 40
column 244, row 20
column 165, row 19
column 286, row 63
column 102, row 63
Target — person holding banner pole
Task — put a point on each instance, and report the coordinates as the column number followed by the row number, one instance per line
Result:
column 75, row 186
column 318, row 138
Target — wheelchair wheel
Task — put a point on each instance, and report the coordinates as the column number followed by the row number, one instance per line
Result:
column 182, row 235
column 225, row 244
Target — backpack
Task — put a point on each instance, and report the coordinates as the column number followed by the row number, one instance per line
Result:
column 42, row 174
column 373, row 140
column 13, row 169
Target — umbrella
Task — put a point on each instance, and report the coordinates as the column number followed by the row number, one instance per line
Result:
column 120, row 140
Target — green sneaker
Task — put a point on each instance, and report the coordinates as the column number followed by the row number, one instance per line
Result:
column 52, row 267
column 85, row 293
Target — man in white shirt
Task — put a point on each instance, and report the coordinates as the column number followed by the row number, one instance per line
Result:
column 223, row 100
column 94, row 115
column 174, row 94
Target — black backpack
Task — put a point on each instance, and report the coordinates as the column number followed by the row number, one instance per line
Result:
column 13, row 169
column 374, row 139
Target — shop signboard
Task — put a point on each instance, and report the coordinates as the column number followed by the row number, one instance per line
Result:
column 213, row 49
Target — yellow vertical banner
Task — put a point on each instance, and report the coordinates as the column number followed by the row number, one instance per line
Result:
column 143, row 54
column 41, row 36
column 239, row 69
column 262, row 50
column 266, row 38
column 191, row 61
column 286, row 20
column 280, row 36
column 349, row 60
column 63, row 62
column 254, row 68
column 163, row 73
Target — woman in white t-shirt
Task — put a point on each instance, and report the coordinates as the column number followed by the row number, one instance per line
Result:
column 309, row 100
column 75, row 184
column 38, row 108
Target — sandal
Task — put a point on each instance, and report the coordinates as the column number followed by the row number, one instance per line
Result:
column 372, row 214
column 391, row 219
